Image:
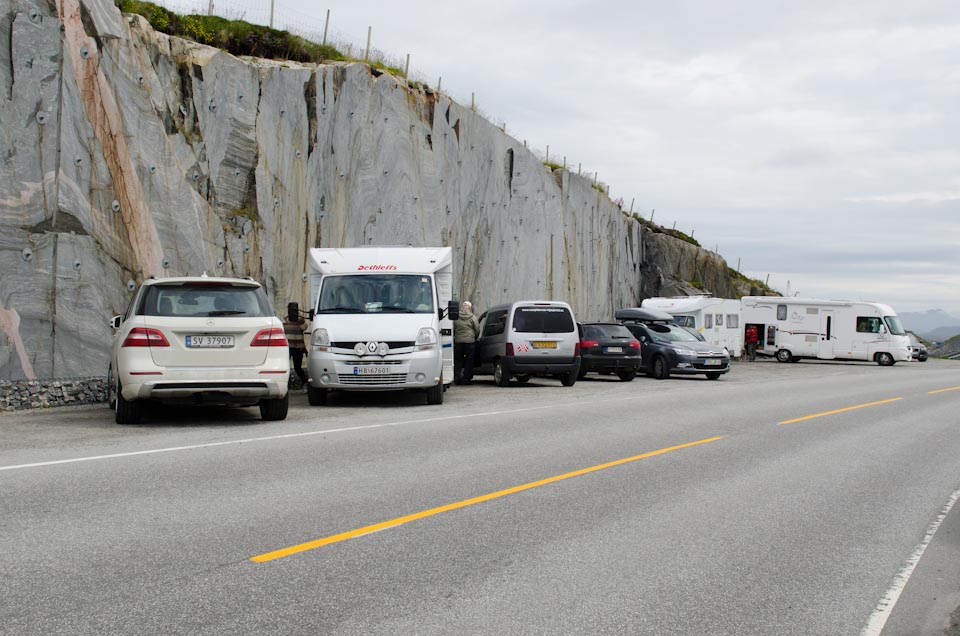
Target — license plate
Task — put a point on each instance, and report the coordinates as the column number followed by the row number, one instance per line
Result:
column 544, row 344
column 209, row 342
column 371, row 370
column 713, row 362
column 613, row 350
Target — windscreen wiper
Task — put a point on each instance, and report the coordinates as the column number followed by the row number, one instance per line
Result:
column 340, row 310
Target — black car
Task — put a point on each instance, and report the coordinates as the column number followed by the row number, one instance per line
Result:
column 666, row 349
column 609, row 347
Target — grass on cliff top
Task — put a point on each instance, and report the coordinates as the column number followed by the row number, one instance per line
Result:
column 739, row 276
column 653, row 227
column 238, row 37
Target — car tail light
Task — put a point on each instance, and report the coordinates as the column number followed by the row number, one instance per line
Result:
column 270, row 338
column 589, row 344
column 145, row 337
column 509, row 349
column 634, row 344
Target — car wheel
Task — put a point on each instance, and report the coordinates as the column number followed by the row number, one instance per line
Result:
column 111, row 390
column 714, row 376
column 500, row 374
column 435, row 394
column 315, row 396
column 275, row 409
column 627, row 376
column 569, row 379
column 884, row 359
column 522, row 379
column 660, row 370
column 784, row 355
column 127, row 412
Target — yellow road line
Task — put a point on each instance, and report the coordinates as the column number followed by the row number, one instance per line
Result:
column 953, row 388
column 849, row 408
column 383, row 525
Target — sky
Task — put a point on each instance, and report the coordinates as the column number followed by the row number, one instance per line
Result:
column 815, row 142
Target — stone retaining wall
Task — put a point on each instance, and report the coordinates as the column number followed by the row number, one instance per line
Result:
column 26, row 394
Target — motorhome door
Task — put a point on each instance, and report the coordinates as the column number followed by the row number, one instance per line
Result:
column 828, row 337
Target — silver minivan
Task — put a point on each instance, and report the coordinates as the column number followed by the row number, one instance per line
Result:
column 529, row 338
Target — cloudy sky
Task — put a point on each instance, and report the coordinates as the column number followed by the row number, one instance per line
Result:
column 817, row 142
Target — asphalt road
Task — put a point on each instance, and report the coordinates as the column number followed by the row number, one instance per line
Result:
column 653, row 507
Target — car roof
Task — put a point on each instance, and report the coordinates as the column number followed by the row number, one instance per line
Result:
column 179, row 280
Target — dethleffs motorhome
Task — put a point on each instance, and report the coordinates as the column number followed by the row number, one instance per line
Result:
column 795, row 328
column 716, row 319
column 382, row 320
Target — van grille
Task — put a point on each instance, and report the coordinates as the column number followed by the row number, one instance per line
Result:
column 371, row 380
column 350, row 344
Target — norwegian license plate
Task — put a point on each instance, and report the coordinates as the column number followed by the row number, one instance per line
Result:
column 209, row 342
column 713, row 362
column 613, row 349
column 371, row 370
column 544, row 344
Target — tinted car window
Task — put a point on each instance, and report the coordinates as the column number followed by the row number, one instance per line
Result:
column 542, row 320
column 495, row 323
column 671, row 333
column 606, row 331
column 199, row 299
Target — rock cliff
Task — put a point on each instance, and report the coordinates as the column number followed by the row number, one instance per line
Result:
column 126, row 153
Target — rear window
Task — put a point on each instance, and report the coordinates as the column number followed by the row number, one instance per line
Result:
column 606, row 331
column 192, row 300
column 543, row 320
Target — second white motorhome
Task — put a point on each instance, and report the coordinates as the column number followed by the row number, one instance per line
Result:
column 382, row 320
column 716, row 319
column 795, row 328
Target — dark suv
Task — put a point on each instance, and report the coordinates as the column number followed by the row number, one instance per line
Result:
column 609, row 347
column 667, row 349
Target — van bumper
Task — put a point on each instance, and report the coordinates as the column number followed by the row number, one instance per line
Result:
column 522, row 366
column 348, row 372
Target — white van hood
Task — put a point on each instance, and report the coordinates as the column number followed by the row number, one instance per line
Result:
column 380, row 327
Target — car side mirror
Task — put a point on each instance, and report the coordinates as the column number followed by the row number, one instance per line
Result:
column 453, row 310
column 312, row 313
column 293, row 312
column 115, row 322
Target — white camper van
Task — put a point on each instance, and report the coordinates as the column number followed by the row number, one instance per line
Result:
column 716, row 319
column 382, row 320
column 795, row 328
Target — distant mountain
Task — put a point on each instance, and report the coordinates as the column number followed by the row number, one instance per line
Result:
column 933, row 324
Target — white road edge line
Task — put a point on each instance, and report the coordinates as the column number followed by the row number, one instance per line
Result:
column 249, row 440
column 878, row 619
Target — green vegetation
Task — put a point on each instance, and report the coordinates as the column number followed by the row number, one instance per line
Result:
column 598, row 188
column 736, row 277
column 236, row 36
column 552, row 166
column 683, row 237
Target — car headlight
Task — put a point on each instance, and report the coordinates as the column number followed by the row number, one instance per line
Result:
column 684, row 352
column 320, row 340
column 426, row 339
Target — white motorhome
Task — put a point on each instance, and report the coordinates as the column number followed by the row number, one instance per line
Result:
column 382, row 320
column 716, row 319
column 795, row 328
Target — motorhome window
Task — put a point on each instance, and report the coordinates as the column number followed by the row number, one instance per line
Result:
column 542, row 320
column 868, row 324
column 203, row 299
column 685, row 321
column 495, row 324
column 781, row 312
column 733, row 321
column 708, row 321
column 671, row 333
column 893, row 324
column 376, row 293
column 719, row 320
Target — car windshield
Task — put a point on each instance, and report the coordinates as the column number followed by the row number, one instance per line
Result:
column 595, row 332
column 543, row 320
column 205, row 299
column 893, row 324
column 685, row 321
column 376, row 293
column 670, row 333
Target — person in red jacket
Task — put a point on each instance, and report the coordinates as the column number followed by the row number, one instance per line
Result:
column 751, row 340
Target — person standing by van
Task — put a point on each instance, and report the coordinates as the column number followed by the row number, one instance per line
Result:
column 293, row 327
column 751, row 339
column 466, row 330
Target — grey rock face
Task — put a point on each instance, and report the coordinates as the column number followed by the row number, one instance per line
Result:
column 136, row 153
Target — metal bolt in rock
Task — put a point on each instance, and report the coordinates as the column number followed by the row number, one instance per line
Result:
column 166, row 263
column 76, row 264
column 27, row 254
column 41, row 118
column 303, row 277
column 35, row 15
column 219, row 263
column 77, row 161
column 131, row 285
column 246, row 247
column 153, row 169
column 84, row 52
column 115, row 206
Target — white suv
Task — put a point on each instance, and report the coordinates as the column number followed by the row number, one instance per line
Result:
column 198, row 340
